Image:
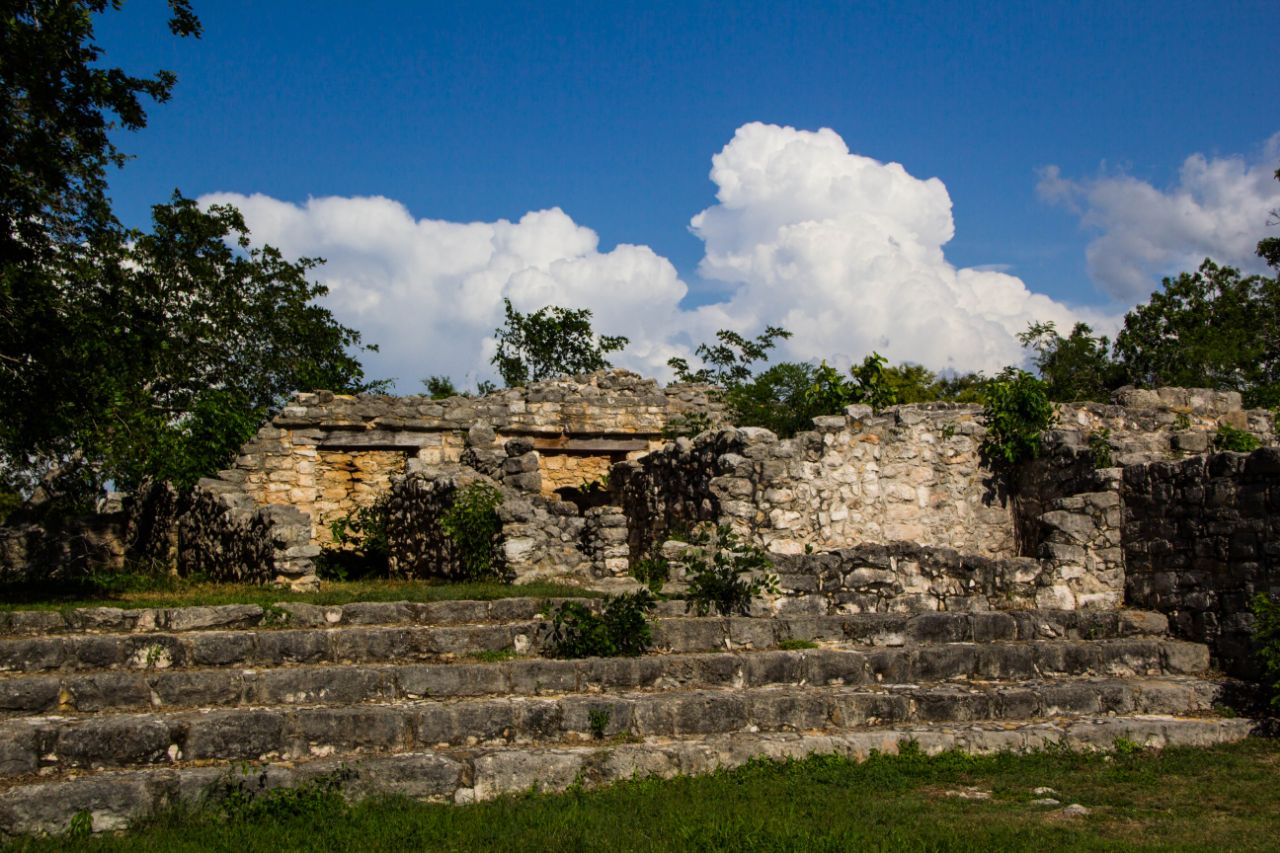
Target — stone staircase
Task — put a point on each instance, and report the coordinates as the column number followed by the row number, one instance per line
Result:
column 116, row 712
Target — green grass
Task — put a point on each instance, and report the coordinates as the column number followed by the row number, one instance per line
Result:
column 797, row 645
column 1178, row 799
column 167, row 592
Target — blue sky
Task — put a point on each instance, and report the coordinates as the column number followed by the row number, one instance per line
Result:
column 612, row 111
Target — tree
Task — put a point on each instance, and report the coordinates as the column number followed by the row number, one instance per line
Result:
column 550, row 342
column 728, row 362
column 1074, row 368
column 1213, row 328
column 127, row 356
column 188, row 338
column 440, row 387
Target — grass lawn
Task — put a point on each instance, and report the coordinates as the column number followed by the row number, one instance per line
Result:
column 1178, row 799
column 134, row 591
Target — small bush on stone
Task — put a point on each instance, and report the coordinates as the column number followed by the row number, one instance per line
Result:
column 724, row 572
column 1182, row 421
column 358, row 547
column 248, row 799
column 1266, row 642
column 621, row 629
column 1017, row 411
column 472, row 524
column 1235, row 440
column 653, row 572
column 1100, row 448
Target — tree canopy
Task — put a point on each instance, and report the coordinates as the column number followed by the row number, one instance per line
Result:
column 128, row 356
column 551, row 341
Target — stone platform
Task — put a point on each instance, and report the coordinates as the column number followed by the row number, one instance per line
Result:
column 115, row 712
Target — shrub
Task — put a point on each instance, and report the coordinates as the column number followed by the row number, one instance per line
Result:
column 358, row 547
column 621, row 629
column 1100, row 448
column 653, row 572
column 724, row 572
column 1017, row 411
column 472, row 524
column 1235, row 440
column 1266, row 642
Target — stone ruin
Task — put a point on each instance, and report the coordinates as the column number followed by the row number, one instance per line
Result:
column 896, row 511
column 925, row 597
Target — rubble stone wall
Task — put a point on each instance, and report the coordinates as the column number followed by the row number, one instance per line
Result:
column 1202, row 538
column 912, row 473
column 903, row 577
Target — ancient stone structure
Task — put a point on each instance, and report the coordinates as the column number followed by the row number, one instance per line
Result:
column 326, row 456
column 935, row 599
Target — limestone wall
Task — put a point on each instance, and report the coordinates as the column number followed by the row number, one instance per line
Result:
column 903, row 577
column 1202, row 537
column 327, row 455
column 912, row 473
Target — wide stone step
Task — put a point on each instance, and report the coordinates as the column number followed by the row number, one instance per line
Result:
column 354, row 684
column 376, row 643
column 121, row 740
column 97, row 620
column 291, row 614
column 113, row 798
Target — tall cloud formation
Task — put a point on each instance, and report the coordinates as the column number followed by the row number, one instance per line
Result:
column 1219, row 209
column 842, row 250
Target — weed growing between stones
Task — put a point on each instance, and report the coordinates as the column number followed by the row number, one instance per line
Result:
column 251, row 799
column 724, row 573
column 1235, row 440
column 653, row 572
column 796, row 645
column 1266, row 641
column 621, row 629
column 598, row 721
column 359, row 545
column 1100, row 448
column 473, row 525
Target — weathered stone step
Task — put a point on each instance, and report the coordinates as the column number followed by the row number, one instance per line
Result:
column 373, row 643
column 122, row 740
column 284, row 614
column 99, row 620
column 354, row 684
column 113, row 798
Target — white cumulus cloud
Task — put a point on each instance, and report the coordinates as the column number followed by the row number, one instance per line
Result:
column 844, row 251
column 1218, row 208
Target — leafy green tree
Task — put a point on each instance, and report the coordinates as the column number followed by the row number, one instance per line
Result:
column 914, row 383
column 1269, row 247
column 774, row 399
column 1075, row 368
column 128, row 356
column 728, row 362
column 440, row 387
column 57, row 231
column 189, row 338
column 551, row 341
column 1213, row 328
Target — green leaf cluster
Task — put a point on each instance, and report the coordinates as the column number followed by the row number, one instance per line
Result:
column 359, row 545
column 1266, row 643
column 128, row 356
column 1017, row 412
column 621, row 629
column 472, row 524
column 1235, row 440
column 724, row 573
column 552, row 341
